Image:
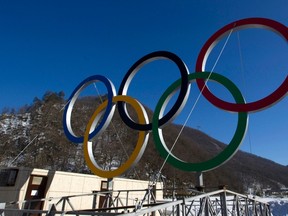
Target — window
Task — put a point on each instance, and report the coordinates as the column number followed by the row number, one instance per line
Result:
column 37, row 180
column 8, row 177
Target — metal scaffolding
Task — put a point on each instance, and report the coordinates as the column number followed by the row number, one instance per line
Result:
column 218, row 203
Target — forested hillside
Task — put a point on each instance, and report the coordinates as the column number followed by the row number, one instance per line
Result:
column 33, row 136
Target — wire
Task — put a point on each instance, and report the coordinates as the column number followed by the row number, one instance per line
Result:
column 31, row 140
column 244, row 84
column 64, row 105
column 23, row 150
column 194, row 105
column 114, row 128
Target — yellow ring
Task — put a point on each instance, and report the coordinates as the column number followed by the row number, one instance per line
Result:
column 136, row 154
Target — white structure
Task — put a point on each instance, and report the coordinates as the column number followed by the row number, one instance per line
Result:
column 69, row 191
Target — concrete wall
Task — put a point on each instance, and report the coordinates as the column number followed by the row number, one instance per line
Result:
column 70, row 184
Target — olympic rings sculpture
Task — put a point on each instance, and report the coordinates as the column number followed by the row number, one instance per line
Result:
column 107, row 108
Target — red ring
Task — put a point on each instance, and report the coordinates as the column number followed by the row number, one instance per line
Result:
column 274, row 97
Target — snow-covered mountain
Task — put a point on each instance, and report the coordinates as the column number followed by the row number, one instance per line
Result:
column 37, row 129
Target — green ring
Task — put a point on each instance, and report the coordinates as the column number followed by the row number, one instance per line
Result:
column 220, row 158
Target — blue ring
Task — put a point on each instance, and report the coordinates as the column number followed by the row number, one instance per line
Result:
column 68, row 108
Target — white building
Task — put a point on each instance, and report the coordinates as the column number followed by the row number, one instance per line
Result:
column 68, row 191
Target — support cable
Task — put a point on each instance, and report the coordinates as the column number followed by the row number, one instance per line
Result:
column 22, row 150
column 30, row 143
column 114, row 128
column 194, row 105
column 244, row 84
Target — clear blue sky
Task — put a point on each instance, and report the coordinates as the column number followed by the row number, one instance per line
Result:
column 54, row 45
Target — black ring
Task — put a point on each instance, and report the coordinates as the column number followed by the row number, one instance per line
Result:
column 180, row 102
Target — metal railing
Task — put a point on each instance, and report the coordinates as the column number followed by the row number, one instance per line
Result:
column 218, row 203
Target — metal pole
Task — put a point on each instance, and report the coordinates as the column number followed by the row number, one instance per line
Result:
column 109, row 188
column 223, row 203
column 200, row 182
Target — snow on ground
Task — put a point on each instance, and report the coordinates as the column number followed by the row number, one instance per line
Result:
column 278, row 206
